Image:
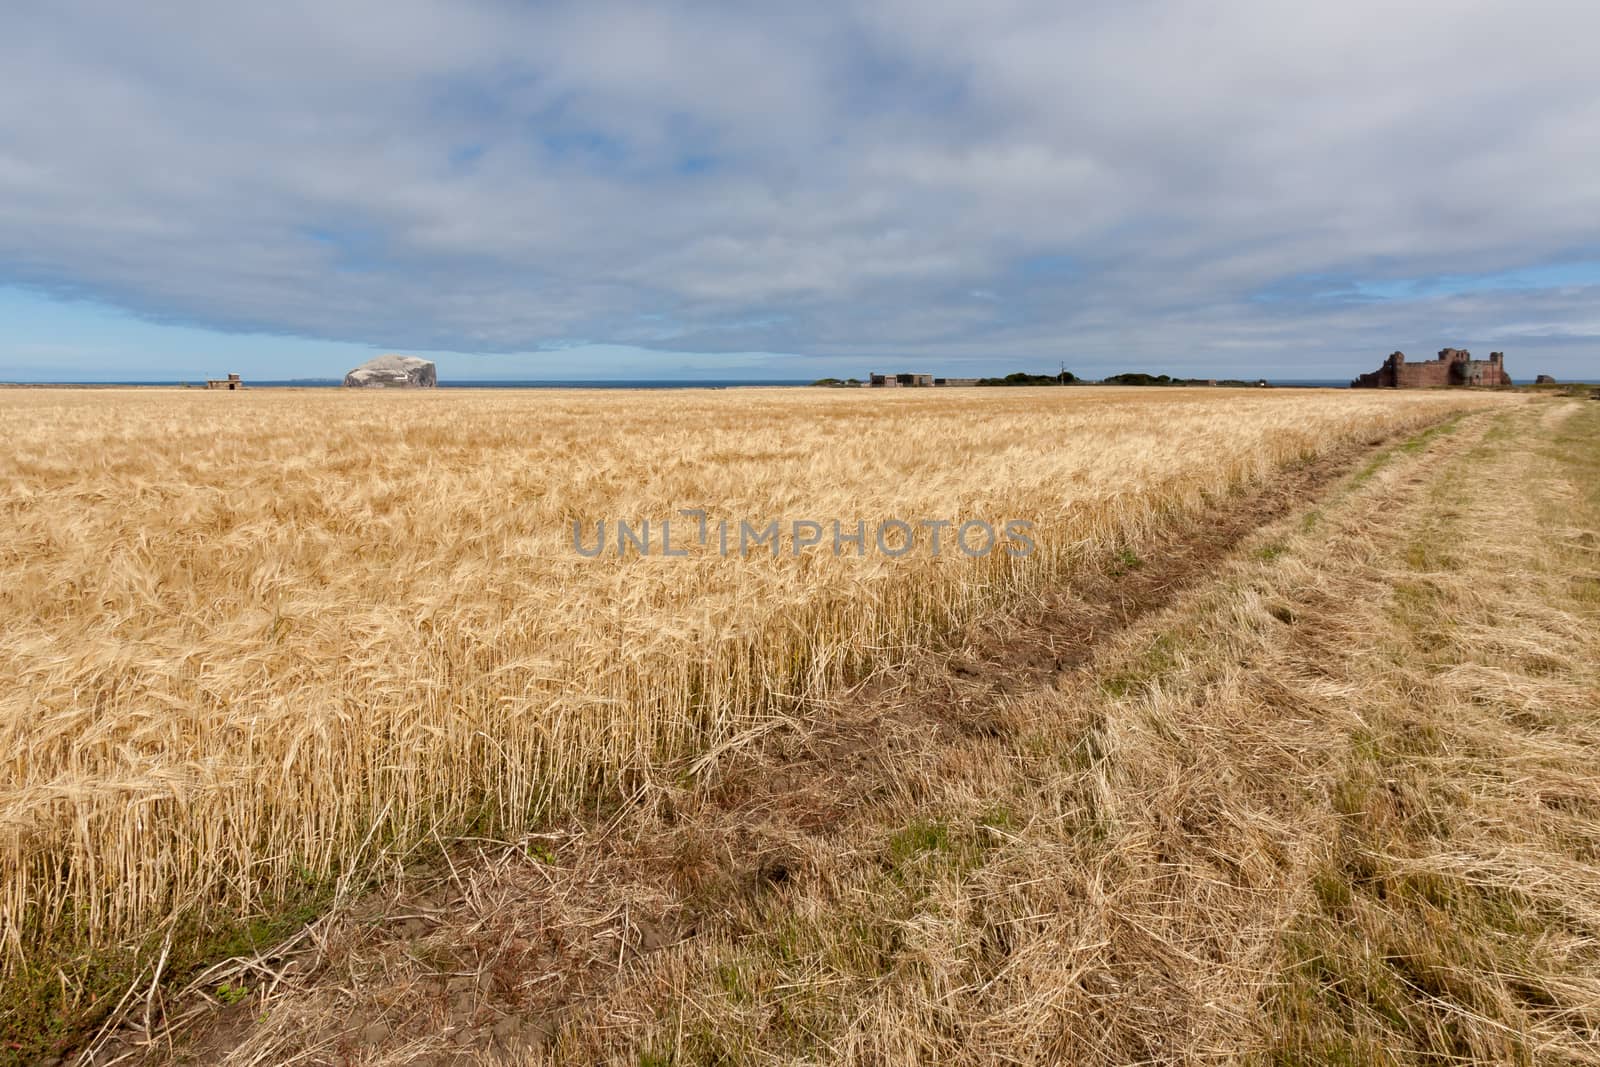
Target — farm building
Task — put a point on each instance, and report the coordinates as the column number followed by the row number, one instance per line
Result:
column 1454, row 367
column 899, row 381
column 230, row 382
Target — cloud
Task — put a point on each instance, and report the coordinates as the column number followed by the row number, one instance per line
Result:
column 1244, row 181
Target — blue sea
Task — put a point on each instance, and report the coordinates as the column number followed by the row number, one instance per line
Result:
column 333, row 383
column 641, row 383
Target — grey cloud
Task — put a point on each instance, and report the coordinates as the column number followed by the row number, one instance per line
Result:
column 831, row 180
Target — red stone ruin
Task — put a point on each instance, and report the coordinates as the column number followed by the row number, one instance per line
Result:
column 1454, row 367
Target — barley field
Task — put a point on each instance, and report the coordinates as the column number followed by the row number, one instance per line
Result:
column 251, row 643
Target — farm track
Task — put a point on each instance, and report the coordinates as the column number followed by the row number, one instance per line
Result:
column 439, row 971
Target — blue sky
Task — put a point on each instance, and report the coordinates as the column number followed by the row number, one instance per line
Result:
column 713, row 190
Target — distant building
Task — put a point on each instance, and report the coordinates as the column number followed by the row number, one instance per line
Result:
column 230, row 382
column 1454, row 367
column 899, row 381
column 951, row 382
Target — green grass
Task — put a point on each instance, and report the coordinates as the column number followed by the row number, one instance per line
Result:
column 46, row 1008
column 1159, row 659
column 1410, row 446
column 1125, row 562
column 1269, row 552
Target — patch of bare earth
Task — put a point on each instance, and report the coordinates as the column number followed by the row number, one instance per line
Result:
column 1112, row 828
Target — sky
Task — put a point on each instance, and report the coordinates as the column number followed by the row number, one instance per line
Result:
column 613, row 190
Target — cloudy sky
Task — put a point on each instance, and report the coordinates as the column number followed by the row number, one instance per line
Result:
column 699, row 189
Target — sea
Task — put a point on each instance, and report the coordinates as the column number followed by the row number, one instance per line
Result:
column 638, row 383
column 334, row 383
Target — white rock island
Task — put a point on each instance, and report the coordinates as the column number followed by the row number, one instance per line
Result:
column 394, row 372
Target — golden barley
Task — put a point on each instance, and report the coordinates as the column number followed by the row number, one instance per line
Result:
column 251, row 640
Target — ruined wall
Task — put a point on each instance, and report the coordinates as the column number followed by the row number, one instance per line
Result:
column 1383, row 377
column 1433, row 374
column 1454, row 366
column 1491, row 371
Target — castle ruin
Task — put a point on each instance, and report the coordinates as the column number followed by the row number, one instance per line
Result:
column 1455, row 366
